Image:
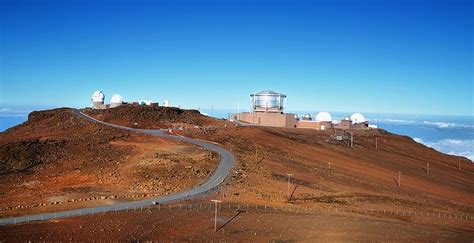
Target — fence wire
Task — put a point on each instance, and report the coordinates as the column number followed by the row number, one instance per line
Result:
column 294, row 209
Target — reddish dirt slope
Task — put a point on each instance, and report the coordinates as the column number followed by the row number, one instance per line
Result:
column 307, row 153
column 251, row 226
column 57, row 160
column 361, row 177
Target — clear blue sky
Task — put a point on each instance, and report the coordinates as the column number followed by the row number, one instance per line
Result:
column 372, row 56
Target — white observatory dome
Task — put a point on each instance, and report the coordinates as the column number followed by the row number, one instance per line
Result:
column 323, row 116
column 358, row 118
column 98, row 96
column 116, row 99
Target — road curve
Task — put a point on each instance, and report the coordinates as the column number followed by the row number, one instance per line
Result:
column 226, row 163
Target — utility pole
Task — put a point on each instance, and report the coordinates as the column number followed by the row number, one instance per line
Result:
column 459, row 163
column 288, row 189
column 376, row 143
column 428, row 168
column 329, row 168
column 352, row 139
column 215, row 213
column 399, row 177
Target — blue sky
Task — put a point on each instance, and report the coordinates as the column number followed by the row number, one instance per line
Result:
column 389, row 56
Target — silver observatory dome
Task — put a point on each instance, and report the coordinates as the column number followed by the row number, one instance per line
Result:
column 268, row 101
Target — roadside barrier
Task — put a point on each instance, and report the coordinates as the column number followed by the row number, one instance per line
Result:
column 290, row 209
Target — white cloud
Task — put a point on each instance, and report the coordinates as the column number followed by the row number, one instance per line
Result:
column 395, row 121
column 437, row 124
column 7, row 112
column 452, row 146
column 447, row 124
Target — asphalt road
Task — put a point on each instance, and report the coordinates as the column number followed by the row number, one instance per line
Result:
column 226, row 163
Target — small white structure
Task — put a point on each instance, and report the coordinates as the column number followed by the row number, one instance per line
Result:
column 307, row 117
column 357, row 118
column 166, row 103
column 98, row 100
column 323, row 116
column 116, row 100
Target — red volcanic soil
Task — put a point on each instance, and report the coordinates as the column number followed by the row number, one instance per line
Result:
column 346, row 201
column 361, row 178
column 252, row 225
column 57, row 160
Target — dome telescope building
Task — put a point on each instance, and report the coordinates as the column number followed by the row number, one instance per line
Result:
column 359, row 121
column 268, row 101
column 357, row 118
column 267, row 109
column 116, row 100
column 307, row 117
column 322, row 121
column 98, row 100
column 323, row 116
column 355, row 121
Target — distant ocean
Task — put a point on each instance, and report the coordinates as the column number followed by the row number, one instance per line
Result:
column 448, row 134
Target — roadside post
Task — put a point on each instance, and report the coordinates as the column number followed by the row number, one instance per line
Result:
column 288, row 188
column 215, row 213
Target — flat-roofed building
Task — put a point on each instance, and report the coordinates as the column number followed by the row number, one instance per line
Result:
column 271, row 119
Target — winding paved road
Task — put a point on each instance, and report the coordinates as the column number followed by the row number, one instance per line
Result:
column 226, row 163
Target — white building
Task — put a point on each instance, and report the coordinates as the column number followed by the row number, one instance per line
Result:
column 98, row 100
column 116, row 100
